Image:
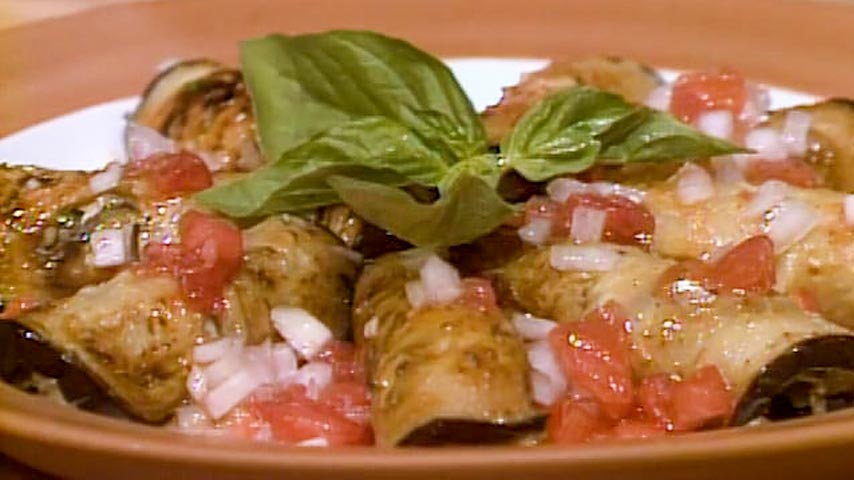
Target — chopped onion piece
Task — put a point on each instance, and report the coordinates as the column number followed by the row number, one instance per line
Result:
column 441, row 280
column 106, row 180
column 284, row 361
column 111, row 247
column 768, row 195
column 415, row 293
column 796, row 127
column 313, row 442
column 305, row 333
column 544, row 390
column 213, row 351
column 758, row 102
column 218, row 372
column 592, row 258
column 231, row 392
column 537, row 231
column 727, row 171
column 260, row 359
column 587, row 224
column 789, row 222
column 542, row 359
column 214, row 161
column 315, row 376
column 694, row 185
column 371, row 327
column 144, row 142
column 197, row 384
column 191, row 418
column 561, row 189
column 768, row 144
column 716, row 123
column 848, row 208
column 530, row 327
column 659, row 97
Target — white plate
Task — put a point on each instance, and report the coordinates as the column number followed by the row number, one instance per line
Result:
column 91, row 137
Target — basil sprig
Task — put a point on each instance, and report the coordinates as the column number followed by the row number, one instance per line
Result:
column 356, row 116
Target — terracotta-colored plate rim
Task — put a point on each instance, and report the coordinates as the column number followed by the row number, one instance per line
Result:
column 57, row 66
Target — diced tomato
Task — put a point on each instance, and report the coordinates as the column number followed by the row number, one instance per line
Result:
column 345, row 361
column 749, row 267
column 573, row 421
column 701, row 400
column 293, row 417
column 173, row 174
column 594, row 354
column 635, row 429
column 698, row 92
column 793, row 171
column 350, row 399
column 208, row 257
column 478, row 293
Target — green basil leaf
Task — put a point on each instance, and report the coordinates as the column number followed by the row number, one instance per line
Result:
column 468, row 208
column 569, row 131
column 306, row 84
column 371, row 148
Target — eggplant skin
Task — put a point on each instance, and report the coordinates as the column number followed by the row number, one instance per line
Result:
column 830, row 140
column 436, row 368
column 624, row 77
column 132, row 334
column 290, row 262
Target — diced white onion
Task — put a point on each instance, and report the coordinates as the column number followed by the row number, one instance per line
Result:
column 537, row 231
column 768, row 144
column 592, row 258
column 530, row 327
column 111, row 247
column 213, row 351
column 371, row 327
column 315, row 376
column 769, row 194
column 305, row 333
column 848, row 208
column 659, row 98
column 106, row 180
column 231, row 392
column 727, row 171
column 191, row 418
column 314, row 442
column 197, row 384
column 214, row 161
column 219, row 371
column 415, row 293
column 560, row 189
column 791, row 221
column 694, row 184
column 542, row 359
column 587, row 224
column 796, row 127
column 758, row 102
column 144, row 142
column 544, row 390
column 441, row 280
column 260, row 359
column 716, row 123
column 284, row 361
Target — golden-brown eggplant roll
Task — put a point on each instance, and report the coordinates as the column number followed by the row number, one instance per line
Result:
column 290, row 262
column 767, row 348
column 820, row 264
column 449, row 374
column 133, row 334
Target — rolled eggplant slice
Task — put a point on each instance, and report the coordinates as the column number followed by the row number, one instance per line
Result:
column 830, row 140
column 449, row 374
column 818, row 261
column 749, row 340
column 205, row 107
column 624, row 77
column 132, row 334
column 289, row 261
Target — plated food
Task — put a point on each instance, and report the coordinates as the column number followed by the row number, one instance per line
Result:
column 329, row 246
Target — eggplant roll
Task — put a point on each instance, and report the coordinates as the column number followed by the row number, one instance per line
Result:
column 133, row 334
column 763, row 346
column 450, row 374
column 289, row 261
column 817, row 257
